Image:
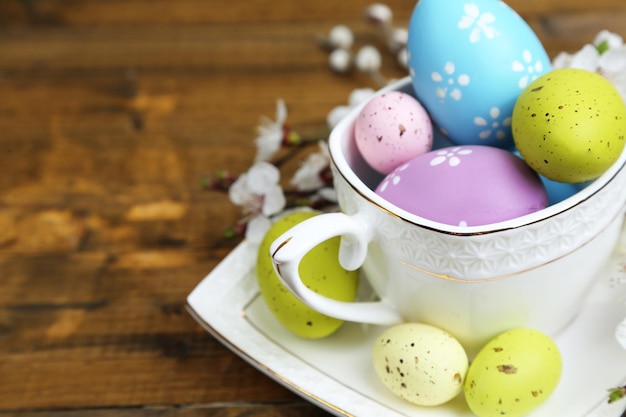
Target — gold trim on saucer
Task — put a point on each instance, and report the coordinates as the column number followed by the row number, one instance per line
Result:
column 259, row 365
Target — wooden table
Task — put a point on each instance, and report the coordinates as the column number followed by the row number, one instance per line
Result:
column 111, row 113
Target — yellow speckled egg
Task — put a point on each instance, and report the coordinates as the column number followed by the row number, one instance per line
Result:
column 513, row 374
column 570, row 125
column 420, row 363
column 320, row 271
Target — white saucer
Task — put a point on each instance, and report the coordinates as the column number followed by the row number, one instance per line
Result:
column 335, row 373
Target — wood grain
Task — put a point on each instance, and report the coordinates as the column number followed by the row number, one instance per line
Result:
column 111, row 113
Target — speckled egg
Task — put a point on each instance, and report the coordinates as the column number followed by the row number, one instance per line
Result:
column 316, row 266
column 392, row 128
column 469, row 61
column 420, row 363
column 465, row 186
column 570, row 125
column 513, row 374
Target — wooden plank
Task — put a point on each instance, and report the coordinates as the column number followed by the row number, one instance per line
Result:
column 288, row 409
column 111, row 112
column 88, row 12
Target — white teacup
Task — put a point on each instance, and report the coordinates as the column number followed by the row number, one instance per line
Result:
column 474, row 282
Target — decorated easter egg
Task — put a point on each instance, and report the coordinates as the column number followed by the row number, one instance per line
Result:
column 316, row 268
column 469, row 61
column 513, row 374
column 570, row 125
column 392, row 128
column 420, row 363
column 467, row 185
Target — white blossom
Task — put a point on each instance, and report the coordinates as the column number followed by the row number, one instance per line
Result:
column 307, row 177
column 341, row 37
column 328, row 194
column 612, row 65
column 379, row 13
column 398, row 39
column 368, row 59
column 586, row 58
column 270, row 133
column 340, row 60
column 258, row 191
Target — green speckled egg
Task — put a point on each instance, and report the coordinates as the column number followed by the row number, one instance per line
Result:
column 320, row 271
column 513, row 374
column 570, row 125
column 420, row 363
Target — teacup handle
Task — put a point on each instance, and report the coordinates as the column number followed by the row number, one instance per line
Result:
column 288, row 250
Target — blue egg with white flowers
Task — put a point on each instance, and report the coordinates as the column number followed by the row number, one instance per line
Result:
column 469, row 60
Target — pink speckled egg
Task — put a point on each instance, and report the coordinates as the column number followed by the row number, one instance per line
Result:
column 391, row 129
column 465, row 186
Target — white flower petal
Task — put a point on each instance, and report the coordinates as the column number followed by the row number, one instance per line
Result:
column 562, row 60
column 256, row 229
column 270, row 133
column 586, row 58
column 613, row 61
column 262, row 177
column 274, row 201
column 328, row 194
column 620, row 334
column 307, row 177
column 281, row 112
column 238, row 191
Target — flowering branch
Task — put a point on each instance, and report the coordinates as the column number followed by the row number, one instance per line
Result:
column 258, row 191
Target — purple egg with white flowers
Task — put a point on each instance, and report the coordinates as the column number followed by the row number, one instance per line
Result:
column 391, row 129
column 468, row 185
